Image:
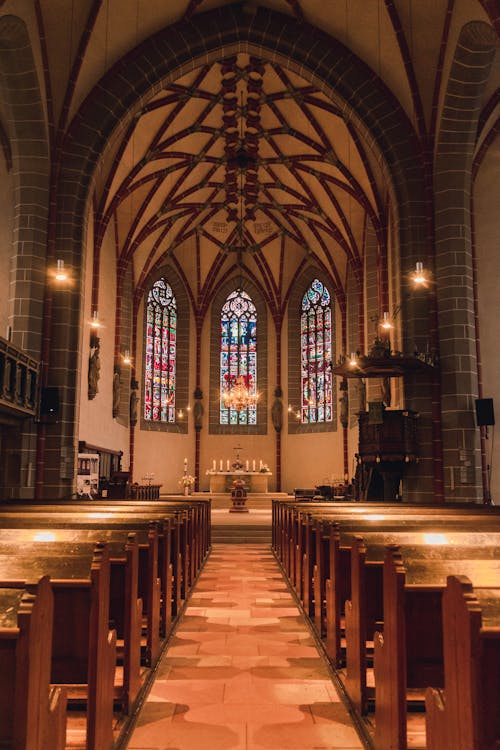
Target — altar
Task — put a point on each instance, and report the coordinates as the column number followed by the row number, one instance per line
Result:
column 256, row 481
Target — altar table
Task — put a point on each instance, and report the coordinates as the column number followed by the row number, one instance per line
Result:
column 221, row 481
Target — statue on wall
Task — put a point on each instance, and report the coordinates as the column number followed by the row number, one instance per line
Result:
column 116, row 392
column 362, row 394
column 198, row 410
column 134, row 402
column 277, row 409
column 386, row 391
column 344, row 403
column 94, row 368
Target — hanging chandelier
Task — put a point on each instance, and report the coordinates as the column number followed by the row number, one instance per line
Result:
column 239, row 396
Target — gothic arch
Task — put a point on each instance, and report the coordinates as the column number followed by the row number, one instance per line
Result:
column 294, row 380
column 365, row 101
column 262, row 344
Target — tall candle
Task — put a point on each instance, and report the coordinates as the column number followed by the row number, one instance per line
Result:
column 213, row 465
column 185, row 463
column 220, row 465
column 227, row 464
column 253, row 465
column 260, row 463
column 247, row 465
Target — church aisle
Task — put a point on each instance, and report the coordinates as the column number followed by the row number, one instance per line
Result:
column 242, row 670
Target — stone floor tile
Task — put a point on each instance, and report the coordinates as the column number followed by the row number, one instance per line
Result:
column 242, row 671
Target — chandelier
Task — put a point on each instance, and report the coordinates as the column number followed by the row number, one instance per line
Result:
column 239, row 396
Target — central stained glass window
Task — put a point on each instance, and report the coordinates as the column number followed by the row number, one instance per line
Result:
column 161, row 342
column 316, row 355
column 238, row 354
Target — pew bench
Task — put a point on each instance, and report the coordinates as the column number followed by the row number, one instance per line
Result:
column 364, row 608
column 465, row 714
column 125, row 608
column 154, row 586
column 32, row 712
column 83, row 655
column 408, row 655
column 326, row 560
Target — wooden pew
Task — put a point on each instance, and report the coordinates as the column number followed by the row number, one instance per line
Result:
column 125, row 608
column 330, row 567
column 32, row 712
column 408, row 655
column 177, row 567
column 105, row 526
column 198, row 509
column 192, row 543
column 465, row 715
column 83, row 648
column 364, row 609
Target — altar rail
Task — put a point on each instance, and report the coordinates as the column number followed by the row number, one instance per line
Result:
column 145, row 491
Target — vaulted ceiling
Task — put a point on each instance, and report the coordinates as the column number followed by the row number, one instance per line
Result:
column 241, row 161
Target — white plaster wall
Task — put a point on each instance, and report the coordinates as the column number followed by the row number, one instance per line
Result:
column 487, row 233
column 96, row 424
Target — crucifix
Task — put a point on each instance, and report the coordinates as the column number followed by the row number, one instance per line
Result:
column 237, row 463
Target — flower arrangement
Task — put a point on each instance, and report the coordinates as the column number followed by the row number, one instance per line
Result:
column 186, row 480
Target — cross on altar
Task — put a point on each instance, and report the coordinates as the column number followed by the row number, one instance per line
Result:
column 237, row 464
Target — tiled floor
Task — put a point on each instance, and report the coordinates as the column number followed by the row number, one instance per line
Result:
column 242, row 670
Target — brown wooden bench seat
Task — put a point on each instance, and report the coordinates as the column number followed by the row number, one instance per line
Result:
column 326, row 561
column 83, row 648
column 32, row 712
column 155, row 586
column 290, row 518
column 285, row 510
column 408, row 655
column 125, row 608
column 364, row 608
column 197, row 510
column 192, row 517
column 465, row 715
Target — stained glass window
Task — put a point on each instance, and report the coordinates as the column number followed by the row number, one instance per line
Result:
column 238, row 354
column 161, row 336
column 316, row 355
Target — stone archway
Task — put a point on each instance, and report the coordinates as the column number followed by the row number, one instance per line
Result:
column 363, row 98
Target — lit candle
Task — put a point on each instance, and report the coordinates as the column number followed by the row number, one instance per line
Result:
column 247, row 465
column 227, row 465
column 253, row 465
column 220, row 465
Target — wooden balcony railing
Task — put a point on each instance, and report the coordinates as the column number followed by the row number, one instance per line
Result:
column 19, row 379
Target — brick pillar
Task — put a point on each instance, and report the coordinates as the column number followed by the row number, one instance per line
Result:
column 454, row 263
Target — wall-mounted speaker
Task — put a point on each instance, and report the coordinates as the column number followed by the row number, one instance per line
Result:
column 485, row 415
column 49, row 401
